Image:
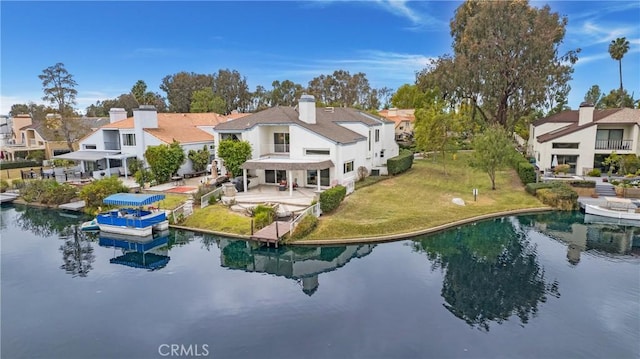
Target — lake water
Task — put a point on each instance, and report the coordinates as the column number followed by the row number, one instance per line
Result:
column 543, row 286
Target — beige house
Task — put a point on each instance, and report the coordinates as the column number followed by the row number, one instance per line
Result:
column 404, row 120
column 27, row 136
column 584, row 138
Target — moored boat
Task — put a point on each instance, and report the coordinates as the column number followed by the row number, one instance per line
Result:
column 628, row 214
column 133, row 220
column 91, row 225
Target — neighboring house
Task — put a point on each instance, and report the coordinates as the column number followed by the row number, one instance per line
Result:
column 27, row 136
column 584, row 138
column 311, row 147
column 404, row 122
column 108, row 148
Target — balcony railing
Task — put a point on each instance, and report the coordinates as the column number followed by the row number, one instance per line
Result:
column 614, row 144
column 111, row 146
column 278, row 149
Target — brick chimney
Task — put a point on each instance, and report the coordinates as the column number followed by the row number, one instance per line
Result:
column 307, row 109
column 585, row 114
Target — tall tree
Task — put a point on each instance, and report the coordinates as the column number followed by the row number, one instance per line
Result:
column 180, row 88
column 617, row 99
column 205, row 101
column 505, row 59
column 409, row 96
column 593, row 96
column 343, row 90
column 617, row 49
column 232, row 87
column 285, row 93
column 260, row 99
column 59, row 89
column 384, row 96
column 234, row 154
column 492, row 151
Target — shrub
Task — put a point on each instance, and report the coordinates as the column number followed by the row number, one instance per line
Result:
column 594, row 173
column 331, row 198
column 400, row 163
column 582, row 184
column 263, row 215
column 532, row 188
column 563, row 168
column 559, row 196
column 4, row 185
column 48, row 191
column 526, row 172
column 18, row 164
column 17, row 183
column 305, row 227
column 94, row 193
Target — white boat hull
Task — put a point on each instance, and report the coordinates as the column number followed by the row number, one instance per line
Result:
column 135, row 231
column 605, row 212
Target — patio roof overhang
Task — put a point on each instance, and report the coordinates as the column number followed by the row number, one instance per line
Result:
column 92, row 155
column 286, row 164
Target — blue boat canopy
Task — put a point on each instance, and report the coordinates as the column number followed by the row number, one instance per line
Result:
column 133, row 199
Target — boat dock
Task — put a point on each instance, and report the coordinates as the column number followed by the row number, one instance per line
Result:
column 73, row 206
column 272, row 233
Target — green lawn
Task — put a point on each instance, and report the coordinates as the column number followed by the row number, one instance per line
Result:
column 421, row 198
column 219, row 218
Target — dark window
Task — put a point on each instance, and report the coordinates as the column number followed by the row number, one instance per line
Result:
column 230, row 136
column 377, row 135
column 312, row 177
column 274, row 176
column 281, row 142
column 348, row 166
column 128, row 139
column 565, row 145
column 309, row 152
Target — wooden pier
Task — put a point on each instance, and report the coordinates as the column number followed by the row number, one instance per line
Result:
column 272, row 233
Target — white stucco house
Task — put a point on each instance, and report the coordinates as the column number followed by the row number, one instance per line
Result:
column 107, row 149
column 311, row 147
column 584, row 138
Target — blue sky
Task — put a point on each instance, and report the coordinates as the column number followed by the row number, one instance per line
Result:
column 108, row 46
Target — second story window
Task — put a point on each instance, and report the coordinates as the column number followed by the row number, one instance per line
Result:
column 128, row 139
column 281, row 142
column 377, row 135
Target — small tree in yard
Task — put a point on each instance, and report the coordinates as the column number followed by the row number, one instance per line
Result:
column 165, row 160
column 199, row 158
column 234, row 154
column 493, row 150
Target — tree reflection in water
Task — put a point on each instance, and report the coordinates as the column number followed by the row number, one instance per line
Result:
column 490, row 272
column 77, row 253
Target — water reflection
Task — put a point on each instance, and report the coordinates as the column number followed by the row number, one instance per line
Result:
column 302, row 264
column 491, row 272
column 77, row 252
column 45, row 222
column 151, row 252
column 582, row 233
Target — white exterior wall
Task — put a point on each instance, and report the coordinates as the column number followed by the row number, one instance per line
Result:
column 96, row 138
column 351, row 152
column 387, row 137
column 302, row 139
column 585, row 152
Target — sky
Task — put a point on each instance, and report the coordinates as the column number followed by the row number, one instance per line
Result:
column 108, row 46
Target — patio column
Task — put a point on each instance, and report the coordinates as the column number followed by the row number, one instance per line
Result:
column 126, row 174
column 290, row 173
column 318, row 179
column 244, row 178
column 106, row 159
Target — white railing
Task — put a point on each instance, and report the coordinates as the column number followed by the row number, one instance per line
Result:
column 312, row 210
column 186, row 209
column 204, row 200
column 350, row 185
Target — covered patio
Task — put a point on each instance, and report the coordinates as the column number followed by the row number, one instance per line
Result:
column 285, row 164
column 102, row 162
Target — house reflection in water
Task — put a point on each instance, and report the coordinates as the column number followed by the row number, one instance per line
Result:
column 592, row 233
column 303, row 264
column 150, row 252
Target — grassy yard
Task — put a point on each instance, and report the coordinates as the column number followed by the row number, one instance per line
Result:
column 219, row 218
column 421, row 198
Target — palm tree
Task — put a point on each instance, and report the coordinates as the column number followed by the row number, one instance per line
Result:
column 617, row 49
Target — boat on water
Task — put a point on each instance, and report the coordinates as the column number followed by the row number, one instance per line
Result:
column 91, row 225
column 616, row 208
column 8, row 197
column 133, row 220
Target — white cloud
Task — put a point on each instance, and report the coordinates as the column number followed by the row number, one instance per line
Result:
column 419, row 20
column 7, row 101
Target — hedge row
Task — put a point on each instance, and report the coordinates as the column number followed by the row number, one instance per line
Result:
column 18, row 164
column 526, row 171
column 400, row 163
column 582, row 184
column 556, row 194
column 331, row 198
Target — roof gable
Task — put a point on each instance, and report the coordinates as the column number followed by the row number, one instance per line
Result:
column 609, row 116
